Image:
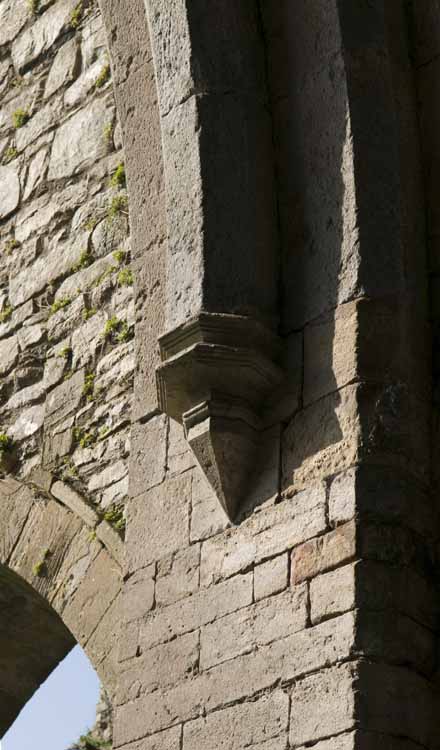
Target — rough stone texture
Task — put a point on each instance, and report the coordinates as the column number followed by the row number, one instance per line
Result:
column 310, row 618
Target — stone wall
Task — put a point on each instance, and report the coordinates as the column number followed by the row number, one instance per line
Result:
column 308, row 616
column 67, row 310
column 66, row 333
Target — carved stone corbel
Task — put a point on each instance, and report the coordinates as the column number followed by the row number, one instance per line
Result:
column 217, row 371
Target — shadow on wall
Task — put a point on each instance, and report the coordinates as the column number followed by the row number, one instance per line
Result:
column 317, row 219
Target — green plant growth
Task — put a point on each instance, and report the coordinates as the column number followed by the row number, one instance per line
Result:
column 116, row 330
column 89, row 386
column 34, row 6
column 91, row 223
column 59, row 304
column 11, row 245
column 125, row 277
column 103, row 77
column 84, row 439
column 76, row 15
column 118, row 178
column 120, row 256
column 40, row 568
column 118, row 205
column 20, row 117
column 65, row 352
column 90, row 742
column 10, row 154
column 115, row 517
column 68, row 471
column 5, row 314
column 85, row 259
column 107, row 134
column 88, row 312
column 6, row 443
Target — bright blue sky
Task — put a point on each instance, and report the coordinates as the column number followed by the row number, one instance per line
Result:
column 60, row 711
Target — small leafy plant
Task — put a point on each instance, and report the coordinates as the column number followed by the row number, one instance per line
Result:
column 120, row 256
column 89, row 386
column 5, row 314
column 34, row 6
column 84, row 439
column 6, row 443
column 84, row 260
column 103, row 77
column 10, row 154
column 118, row 205
column 88, row 312
column 65, row 352
column 116, row 330
column 20, row 117
column 115, row 517
column 118, row 178
column 40, row 568
column 11, row 245
column 125, row 277
column 76, row 15
column 108, row 133
column 59, row 304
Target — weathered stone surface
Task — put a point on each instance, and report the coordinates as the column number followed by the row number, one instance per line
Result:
column 323, row 704
column 92, row 598
column 8, row 354
column 79, row 141
column 66, row 398
column 45, row 270
column 245, row 725
column 13, row 17
column 163, row 515
column 148, row 454
column 39, row 123
column 332, row 593
column 75, row 502
column 112, row 541
column 167, row 740
column 9, row 191
column 203, row 607
column 36, row 172
column 342, row 497
column 63, row 67
column 253, row 627
column 271, row 577
column 138, row 596
column 264, row 535
column 28, row 423
column 324, row 553
column 16, row 505
column 179, row 576
column 161, row 667
column 42, row 34
column 207, row 516
column 247, row 675
column 25, row 396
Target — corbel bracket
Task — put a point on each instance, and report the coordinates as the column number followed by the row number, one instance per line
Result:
column 217, row 372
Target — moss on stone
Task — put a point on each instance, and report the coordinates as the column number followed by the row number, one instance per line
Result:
column 5, row 314
column 59, row 304
column 20, row 117
column 103, row 77
column 10, row 154
column 118, row 178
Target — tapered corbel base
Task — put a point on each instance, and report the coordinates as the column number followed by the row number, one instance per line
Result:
column 216, row 374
